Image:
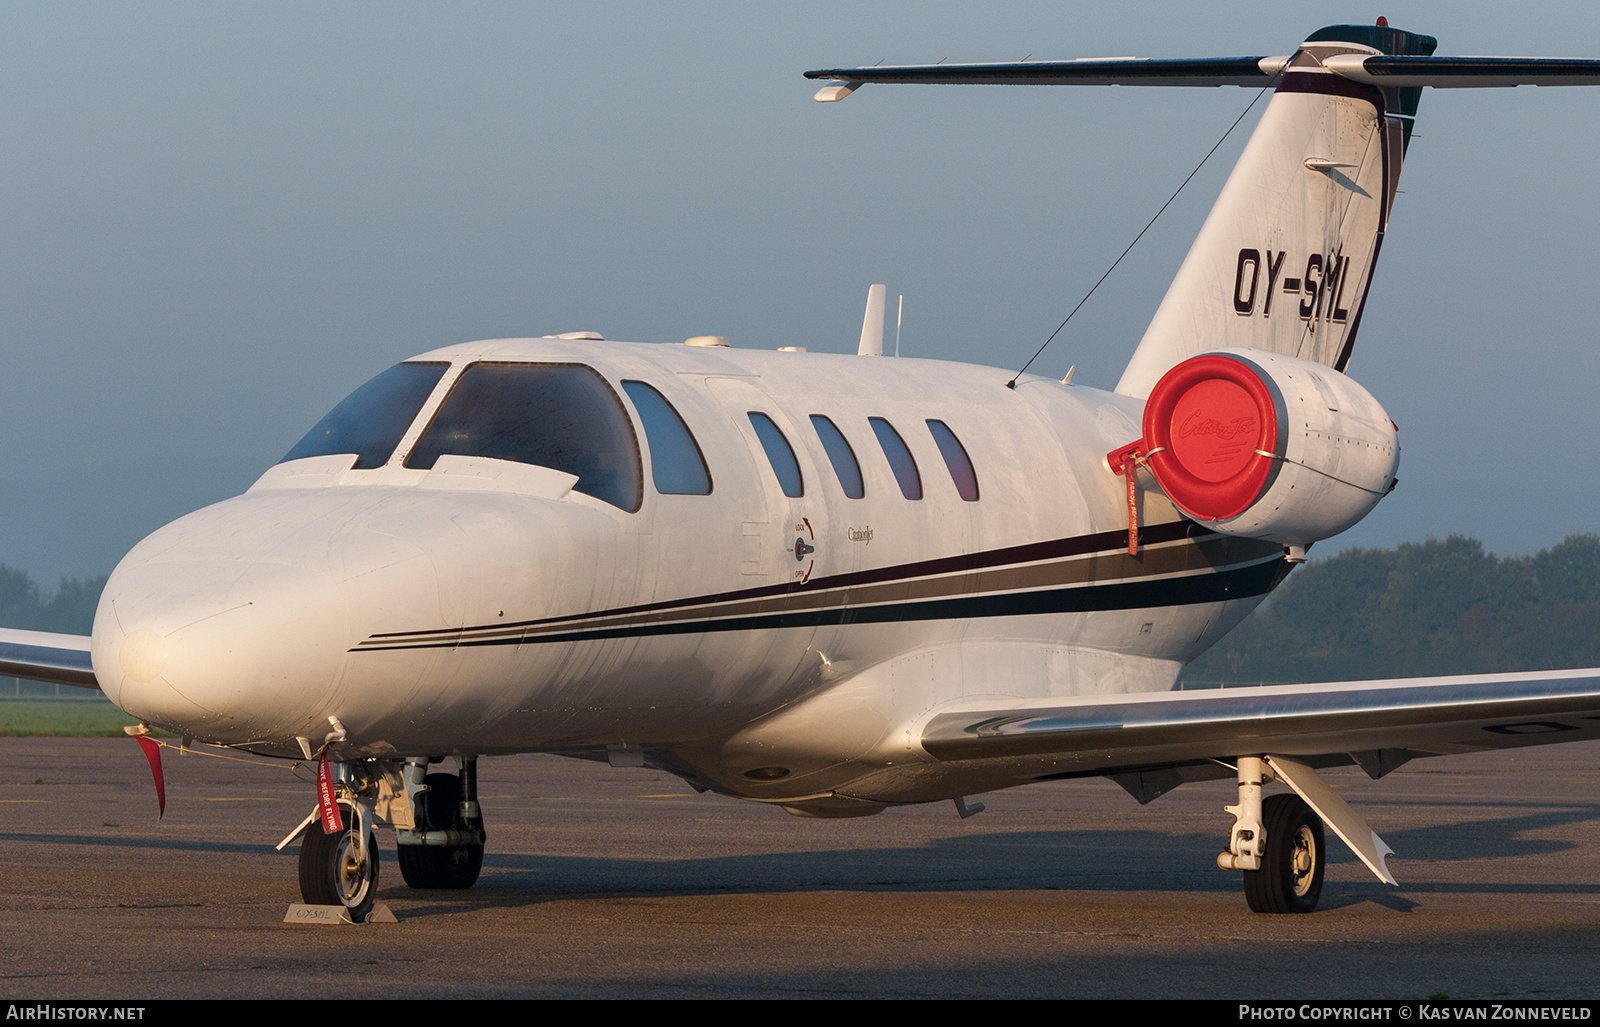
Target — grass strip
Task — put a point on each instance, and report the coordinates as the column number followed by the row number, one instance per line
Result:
column 62, row 719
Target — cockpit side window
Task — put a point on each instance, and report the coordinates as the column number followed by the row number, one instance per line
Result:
column 371, row 420
column 562, row 416
column 900, row 459
column 840, row 455
column 780, row 454
column 677, row 466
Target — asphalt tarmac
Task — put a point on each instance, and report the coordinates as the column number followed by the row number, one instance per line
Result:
column 623, row 883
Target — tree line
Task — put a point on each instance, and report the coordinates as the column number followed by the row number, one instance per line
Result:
column 69, row 609
column 1420, row 609
column 1424, row 608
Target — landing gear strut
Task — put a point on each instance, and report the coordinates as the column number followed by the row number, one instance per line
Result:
column 1278, row 843
column 435, row 818
column 445, row 851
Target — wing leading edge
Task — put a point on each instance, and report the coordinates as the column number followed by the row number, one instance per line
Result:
column 46, row 656
column 1324, row 724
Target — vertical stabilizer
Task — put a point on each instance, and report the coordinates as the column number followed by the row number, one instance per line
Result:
column 1284, row 260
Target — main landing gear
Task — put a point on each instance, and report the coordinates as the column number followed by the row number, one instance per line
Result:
column 1278, row 843
column 445, row 849
column 436, row 821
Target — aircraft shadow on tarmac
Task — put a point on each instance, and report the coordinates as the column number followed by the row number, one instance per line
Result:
column 1071, row 860
column 1068, row 860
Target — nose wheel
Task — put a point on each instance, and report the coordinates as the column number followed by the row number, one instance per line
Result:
column 340, row 869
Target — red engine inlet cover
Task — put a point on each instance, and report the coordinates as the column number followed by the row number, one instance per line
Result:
column 1207, row 422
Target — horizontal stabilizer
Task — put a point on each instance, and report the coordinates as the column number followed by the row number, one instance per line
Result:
column 1406, row 71
column 1090, row 71
column 1382, row 70
column 46, row 656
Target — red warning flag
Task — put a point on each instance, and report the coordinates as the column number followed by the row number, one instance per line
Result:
column 1128, row 470
column 332, row 822
column 1126, row 462
column 152, row 752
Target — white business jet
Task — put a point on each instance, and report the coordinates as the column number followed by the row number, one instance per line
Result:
column 840, row 583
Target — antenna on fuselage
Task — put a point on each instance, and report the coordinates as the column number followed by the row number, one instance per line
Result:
column 899, row 319
column 872, row 323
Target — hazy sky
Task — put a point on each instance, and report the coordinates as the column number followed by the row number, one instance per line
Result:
column 217, row 219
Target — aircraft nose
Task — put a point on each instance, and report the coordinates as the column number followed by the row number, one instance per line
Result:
column 227, row 651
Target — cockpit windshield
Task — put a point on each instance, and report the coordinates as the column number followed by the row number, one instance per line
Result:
column 371, row 420
column 562, row 416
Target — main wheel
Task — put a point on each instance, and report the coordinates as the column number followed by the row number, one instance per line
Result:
column 1290, row 878
column 434, row 866
column 330, row 875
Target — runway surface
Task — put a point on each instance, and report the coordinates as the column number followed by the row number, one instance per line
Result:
column 623, row 883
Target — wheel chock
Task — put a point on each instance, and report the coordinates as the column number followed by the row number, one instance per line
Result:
column 301, row 913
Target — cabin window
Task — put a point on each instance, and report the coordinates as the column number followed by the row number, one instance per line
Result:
column 955, row 458
column 677, row 466
column 779, row 454
column 840, row 455
column 371, row 420
column 900, row 461
column 562, row 416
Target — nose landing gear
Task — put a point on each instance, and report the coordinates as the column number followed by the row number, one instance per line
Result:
column 340, row 869
column 435, row 818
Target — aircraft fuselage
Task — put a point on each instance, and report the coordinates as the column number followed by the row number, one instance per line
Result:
column 486, row 606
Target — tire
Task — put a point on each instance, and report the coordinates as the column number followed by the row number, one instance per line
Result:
column 1290, row 878
column 328, row 877
column 433, row 866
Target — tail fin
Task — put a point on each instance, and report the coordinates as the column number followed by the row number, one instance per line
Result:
column 1284, row 260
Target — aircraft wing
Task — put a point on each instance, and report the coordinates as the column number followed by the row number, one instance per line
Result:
column 1377, row 724
column 46, row 656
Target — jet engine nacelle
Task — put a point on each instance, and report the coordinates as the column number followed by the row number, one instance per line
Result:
column 1267, row 446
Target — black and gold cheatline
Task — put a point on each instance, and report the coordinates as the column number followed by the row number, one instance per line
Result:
column 1181, row 564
